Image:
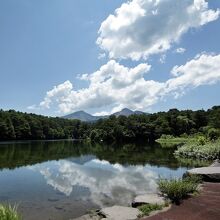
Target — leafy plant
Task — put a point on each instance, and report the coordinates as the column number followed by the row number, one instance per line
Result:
column 8, row 212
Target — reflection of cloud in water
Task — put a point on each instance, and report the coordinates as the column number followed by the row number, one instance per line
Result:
column 107, row 183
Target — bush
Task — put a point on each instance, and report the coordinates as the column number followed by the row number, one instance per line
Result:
column 7, row 212
column 178, row 189
column 201, row 140
column 213, row 134
column 193, row 179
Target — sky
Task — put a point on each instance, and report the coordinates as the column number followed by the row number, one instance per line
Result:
column 61, row 56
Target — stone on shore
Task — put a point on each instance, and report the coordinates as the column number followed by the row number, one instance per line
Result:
column 120, row 213
column 88, row 217
column 216, row 163
column 211, row 173
column 151, row 198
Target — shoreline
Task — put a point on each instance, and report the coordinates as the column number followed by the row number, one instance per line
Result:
column 205, row 198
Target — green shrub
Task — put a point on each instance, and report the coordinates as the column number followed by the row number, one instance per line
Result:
column 178, row 189
column 201, row 140
column 213, row 134
column 147, row 208
column 193, row 179
column 7, row 212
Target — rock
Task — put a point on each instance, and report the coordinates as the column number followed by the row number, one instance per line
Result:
column 211, row 173
column 88, row 217
column 120, row 213
column 150, row 198
column 216, row 163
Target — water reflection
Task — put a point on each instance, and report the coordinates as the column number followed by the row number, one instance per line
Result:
column 63, row 179
column 14, row 155
column 106, row 183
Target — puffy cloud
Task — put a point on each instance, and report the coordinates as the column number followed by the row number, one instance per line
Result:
column 117, row 86
column 113, row 84
column 58, row 93
column 140, row 28
column 180, row 50
column 204, row 69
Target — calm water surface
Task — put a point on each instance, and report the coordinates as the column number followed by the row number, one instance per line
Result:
column 63, row 179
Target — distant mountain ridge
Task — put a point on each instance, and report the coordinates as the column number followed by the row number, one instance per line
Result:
column 84, row 116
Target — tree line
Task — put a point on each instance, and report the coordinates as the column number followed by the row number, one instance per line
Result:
column 23, row 126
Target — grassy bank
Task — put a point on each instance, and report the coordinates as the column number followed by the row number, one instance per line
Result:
column 168, row 141
column 207, row 150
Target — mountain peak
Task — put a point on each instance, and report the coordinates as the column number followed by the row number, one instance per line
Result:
column 81, row 115
column 124, row 111
column 84, row 116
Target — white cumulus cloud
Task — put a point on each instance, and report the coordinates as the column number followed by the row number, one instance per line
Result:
column 113, row 84
column 180, row 50
column 117, row 86
column 204, row 69
column 140, row 28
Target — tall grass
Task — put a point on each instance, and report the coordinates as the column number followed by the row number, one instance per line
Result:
column 8, row 212
column 208, row 150
column 178, row 189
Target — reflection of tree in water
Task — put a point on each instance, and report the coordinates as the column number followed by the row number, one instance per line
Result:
column 14, row 155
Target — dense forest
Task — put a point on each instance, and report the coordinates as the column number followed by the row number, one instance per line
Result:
column 23, row 126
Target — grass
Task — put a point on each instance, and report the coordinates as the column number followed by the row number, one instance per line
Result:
column 146, row 209
column 169, row 141
column 208, row 151
column 178, row 189
column 8, row 212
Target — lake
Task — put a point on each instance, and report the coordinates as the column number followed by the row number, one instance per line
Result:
column 63, row 179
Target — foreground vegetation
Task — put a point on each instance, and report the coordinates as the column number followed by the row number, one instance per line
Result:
column 149, row 127
column 178, row 189
column 8, row 212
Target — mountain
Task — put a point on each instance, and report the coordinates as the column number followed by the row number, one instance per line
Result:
column 81, row 115
column 84, row 116
column 124, row 111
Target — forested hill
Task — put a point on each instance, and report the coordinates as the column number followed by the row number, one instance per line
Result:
column 23, row 126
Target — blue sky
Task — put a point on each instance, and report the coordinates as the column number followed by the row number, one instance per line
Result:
column 45, row 43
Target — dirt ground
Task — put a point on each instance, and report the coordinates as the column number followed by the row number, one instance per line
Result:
column 205, row 206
